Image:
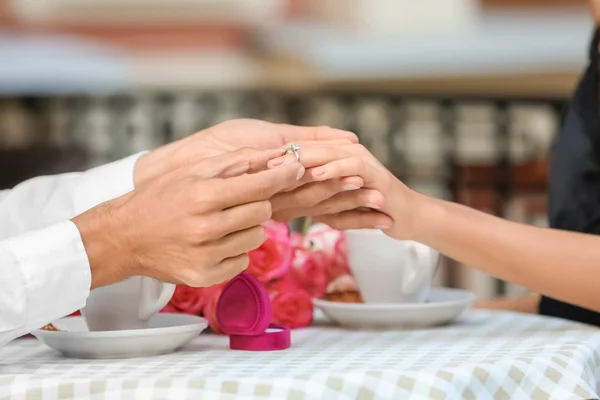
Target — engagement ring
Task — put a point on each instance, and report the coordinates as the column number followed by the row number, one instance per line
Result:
column 294, row 148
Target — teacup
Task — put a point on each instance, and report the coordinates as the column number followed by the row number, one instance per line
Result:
column 128, row 304
column 389, row 270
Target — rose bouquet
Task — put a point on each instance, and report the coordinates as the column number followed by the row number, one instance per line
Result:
column 293, row 267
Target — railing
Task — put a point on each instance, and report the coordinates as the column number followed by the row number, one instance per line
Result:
column 488, row 153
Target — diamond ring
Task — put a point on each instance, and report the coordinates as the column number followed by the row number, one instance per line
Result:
column 294, row 148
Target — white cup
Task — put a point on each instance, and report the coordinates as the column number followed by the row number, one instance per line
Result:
column 389, row 270
column 128, row 304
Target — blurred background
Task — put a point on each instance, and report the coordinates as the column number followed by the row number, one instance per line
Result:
column 460, row 98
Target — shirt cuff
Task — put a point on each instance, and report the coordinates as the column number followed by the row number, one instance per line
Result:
column 105, row 183
column 55, row 270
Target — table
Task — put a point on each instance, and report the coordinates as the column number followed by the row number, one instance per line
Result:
column 486, row 355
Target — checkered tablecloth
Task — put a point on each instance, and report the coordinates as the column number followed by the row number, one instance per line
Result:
column 487, row 355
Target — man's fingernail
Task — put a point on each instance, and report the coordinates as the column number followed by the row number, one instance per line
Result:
column 318, row 171
column 276, row 162
column 373, row 206
column 300, row 173
column 350, row 187
column 383, row 227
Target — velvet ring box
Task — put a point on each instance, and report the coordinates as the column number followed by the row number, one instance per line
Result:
column 244, row 313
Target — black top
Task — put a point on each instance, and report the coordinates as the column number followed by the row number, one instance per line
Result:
column 574, row 179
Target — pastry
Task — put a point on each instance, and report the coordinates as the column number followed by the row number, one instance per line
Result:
column 350, row 296
column 50, row 327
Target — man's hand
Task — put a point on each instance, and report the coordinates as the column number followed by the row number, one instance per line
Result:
column 192, row 226
column 231, row 135
column 225, row 137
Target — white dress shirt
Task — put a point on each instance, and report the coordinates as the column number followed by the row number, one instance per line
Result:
column 44, row 270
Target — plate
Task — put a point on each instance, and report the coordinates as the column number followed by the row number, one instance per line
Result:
column 167, row 333
column 443, row 306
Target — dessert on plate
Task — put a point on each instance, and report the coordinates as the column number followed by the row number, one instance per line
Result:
column 49, row 327
column 350, row 296
column 343, row 289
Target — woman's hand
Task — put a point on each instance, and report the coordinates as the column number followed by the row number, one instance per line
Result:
column 559, row 264
column 381, row 202
column 595, row 5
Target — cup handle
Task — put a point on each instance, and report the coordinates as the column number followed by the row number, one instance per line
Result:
column 150, row 303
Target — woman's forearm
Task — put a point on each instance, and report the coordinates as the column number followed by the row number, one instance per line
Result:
column 560, row 264
column 525, row 304
column 595, row 4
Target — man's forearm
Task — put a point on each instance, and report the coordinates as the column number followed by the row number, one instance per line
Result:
column 595, row 4
column 560, row 264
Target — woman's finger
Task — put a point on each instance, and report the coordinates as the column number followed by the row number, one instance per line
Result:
column 368, row 198
column 305, row 196
column 344, row 201
column 332, row 142
column 314, row 155
column 357, row 220
column 292, row 133
column 312, row 194
column 352, row 182
column 362, row 166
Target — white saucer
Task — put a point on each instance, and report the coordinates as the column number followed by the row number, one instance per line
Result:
column 167, row 333
column 444, row 306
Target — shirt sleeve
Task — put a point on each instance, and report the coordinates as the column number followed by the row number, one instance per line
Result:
column 46, row 200
column 44, row 269
column 44, row 275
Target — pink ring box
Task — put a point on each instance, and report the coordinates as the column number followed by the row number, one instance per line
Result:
column 244, row 313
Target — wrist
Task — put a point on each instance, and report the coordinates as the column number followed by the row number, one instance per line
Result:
column 102, row 231
column 426, row 213
column 158, row 162
column 143, row 170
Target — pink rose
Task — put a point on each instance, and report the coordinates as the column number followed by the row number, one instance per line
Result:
column 297, row 240
column 340, row 258
column 332, row 244
column 187, row 300
column 273, row 258
column 291, row 305
column 309, row 268
column 322, row 237
column 209, row 312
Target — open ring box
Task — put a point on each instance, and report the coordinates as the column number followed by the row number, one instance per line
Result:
column 244, row 313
